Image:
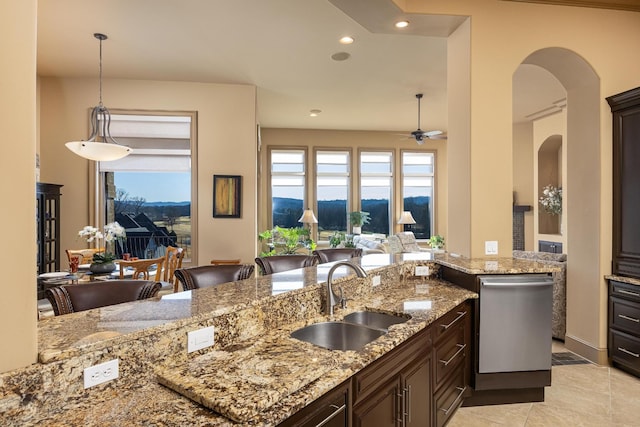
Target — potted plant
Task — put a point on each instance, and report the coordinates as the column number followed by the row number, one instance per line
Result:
column 286, row 241
column 357, row 220
column 436, row 242
column 336, row 239
column 103, row 261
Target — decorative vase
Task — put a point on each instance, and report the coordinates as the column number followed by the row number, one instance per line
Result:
column 102, row 268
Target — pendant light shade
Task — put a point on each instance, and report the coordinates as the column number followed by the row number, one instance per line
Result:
column 100, row 146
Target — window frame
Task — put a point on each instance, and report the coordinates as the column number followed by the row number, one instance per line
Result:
column 432, row 204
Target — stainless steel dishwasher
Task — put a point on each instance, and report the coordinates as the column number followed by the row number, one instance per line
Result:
column 515, row 323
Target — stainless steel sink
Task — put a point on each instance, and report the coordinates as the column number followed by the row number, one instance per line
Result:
column 374, row 319
column 338, row 335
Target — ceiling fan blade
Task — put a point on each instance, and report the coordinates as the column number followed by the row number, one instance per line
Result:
column 431, row 133
column 439, row 136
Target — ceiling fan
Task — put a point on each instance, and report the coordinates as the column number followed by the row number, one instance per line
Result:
column 420, row 135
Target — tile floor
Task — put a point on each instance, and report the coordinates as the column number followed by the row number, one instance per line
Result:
column 581, row 394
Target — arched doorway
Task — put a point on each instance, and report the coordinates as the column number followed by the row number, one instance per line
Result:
column 586, row 301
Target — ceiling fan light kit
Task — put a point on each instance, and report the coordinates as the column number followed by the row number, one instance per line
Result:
column 92, row 148
column 420, row 135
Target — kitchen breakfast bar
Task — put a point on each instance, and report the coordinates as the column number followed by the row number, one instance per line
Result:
column 256, row 373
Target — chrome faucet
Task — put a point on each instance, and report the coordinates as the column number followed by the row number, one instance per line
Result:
column 332, row 298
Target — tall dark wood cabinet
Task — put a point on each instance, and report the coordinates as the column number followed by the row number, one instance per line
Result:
column 48, row 226
column 624, row 287
column 626, row 181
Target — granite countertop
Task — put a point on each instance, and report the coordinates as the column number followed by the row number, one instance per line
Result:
column 251, row 317
column 623, row 279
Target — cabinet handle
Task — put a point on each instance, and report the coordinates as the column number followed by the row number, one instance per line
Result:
column 460, row 348
column 407, row 403
column 333, row 415
column 624, row 350
column 453, row 404
column 624, row 291
column 460, row 316
column 633, row 319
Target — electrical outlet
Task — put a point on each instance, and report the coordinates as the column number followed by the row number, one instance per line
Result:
column 491, row 265
column 202, row 338
column 101, row 373
column 422, row 270
column 491, row 247
column 375, row 280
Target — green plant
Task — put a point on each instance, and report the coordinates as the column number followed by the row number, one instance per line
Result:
column 348, row 241
column 436, row 241
column 286, row 241
column 359, row 218
column 336, row 238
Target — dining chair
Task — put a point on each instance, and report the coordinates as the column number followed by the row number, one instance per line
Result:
column 67, row 299
column 277, row 263
column 86, row 255
column 211, row 275
column 141, row 268
column 172, row 261
column 336, row 254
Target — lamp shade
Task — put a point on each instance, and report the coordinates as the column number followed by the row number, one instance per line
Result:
column 308, row 217
column 98, row 151
column 406, row 218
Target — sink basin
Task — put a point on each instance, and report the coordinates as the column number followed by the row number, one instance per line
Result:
column 338, row 335
column 374, row 319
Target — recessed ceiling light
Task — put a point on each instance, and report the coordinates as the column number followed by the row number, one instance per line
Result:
column 346, row 40
column 340, row 56
column 402, row 24
column 314, row 113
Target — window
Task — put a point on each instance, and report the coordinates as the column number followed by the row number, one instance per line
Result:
column 417, row 191
column 332, row 190
column 287, row 187
column 375, row 190
column 149, row 191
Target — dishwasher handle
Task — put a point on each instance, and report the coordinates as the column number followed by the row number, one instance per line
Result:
column 531, row 284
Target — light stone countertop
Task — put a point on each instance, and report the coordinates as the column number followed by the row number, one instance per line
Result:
column 624, row 279
column 149, row 338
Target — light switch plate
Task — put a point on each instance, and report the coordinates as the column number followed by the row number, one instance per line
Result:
column 422, row 270
column 101, row 373
column 491, row 247
column 202, row 338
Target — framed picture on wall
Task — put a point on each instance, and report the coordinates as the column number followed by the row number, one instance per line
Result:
column 227, row 196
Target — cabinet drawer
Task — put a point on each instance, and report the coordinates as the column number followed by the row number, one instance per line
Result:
column 450, row 351
column 625, row 315
column 450, row 396
column 450, row 321
column 625, row 290
column 625, row 349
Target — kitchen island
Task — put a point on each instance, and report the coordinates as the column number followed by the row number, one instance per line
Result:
column 149, row 338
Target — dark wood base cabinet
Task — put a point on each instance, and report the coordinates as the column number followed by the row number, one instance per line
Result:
column 420, row 383
column 624, row 326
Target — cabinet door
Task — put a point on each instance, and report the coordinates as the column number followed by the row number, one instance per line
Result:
column 331, row 410
column 380, row 409
column 417, row 394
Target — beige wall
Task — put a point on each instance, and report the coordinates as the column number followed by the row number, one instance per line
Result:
column 523, row 160
column 18, row 124
column 226, row 145
column 356, row 141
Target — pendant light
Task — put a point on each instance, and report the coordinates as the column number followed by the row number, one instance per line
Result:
column 100, row 146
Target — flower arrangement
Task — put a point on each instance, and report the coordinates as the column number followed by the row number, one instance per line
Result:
column 551, row 200
column 112, row 232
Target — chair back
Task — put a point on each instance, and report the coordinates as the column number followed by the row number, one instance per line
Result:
column 86, row 255
column 278, row 263
column 67, row 299
column 141, row 268
column 172, row 261
column 337, row 254
column 211, row 275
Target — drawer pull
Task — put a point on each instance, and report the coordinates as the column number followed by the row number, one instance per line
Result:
column 632, row 319
column 333, row 415
column 460, row 348
column 631, row 353
column 624, row 291
column 453, row 404
column 461, row 314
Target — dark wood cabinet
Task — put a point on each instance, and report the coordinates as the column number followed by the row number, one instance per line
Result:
column 625, row 108
column 624, row 326
column 48, row 226
column 331, row 410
